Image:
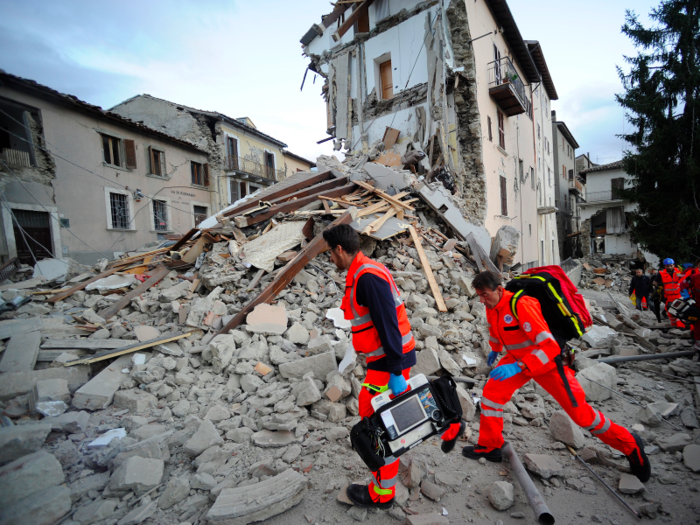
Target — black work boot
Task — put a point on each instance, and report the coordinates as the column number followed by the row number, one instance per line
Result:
column 639, row 462
column 447, row 446
column 478, row 452
column 359, row 495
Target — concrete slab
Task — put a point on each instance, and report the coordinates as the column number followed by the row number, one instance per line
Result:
column 43, row 507
column 21, row 353
column 27, row 475
column 99, row 392
column 51, row 269
column 20, row 383
column 21, row 440
column 543, row 465
column 385, row 178
column 14, row 327
column 259, row 501
column 320, row 365
column 267, row 319
column 691, row 457
column 271, row 439
column 146, row 333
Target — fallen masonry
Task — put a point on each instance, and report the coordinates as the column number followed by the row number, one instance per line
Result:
column 109, row 424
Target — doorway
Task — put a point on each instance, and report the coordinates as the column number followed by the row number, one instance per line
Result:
column 34, row 236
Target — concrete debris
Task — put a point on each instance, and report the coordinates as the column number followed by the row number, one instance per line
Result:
column 21, row 353
column 593, row 377
column 563, row 429
column 691, row 457
column 630, row 484
column 137, row 474
column 543, row 465
column 502, row 495
column 20, row 440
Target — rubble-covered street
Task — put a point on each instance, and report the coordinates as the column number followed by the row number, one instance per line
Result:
column 200, row 383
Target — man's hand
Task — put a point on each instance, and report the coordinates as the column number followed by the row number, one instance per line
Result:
column 397, row 384
column 504, row 371
column 492, row 358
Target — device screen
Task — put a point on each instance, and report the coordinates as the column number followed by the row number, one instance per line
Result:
column 408, row 414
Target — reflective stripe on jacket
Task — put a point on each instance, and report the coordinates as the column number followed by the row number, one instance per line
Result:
column 672, row 284
column 365, row 338
column 527, row 338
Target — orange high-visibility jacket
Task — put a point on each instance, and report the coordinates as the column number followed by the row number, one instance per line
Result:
column 526, row 337
column 672, row 284
column 365, row 338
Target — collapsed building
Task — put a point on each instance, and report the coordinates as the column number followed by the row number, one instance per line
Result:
column 466, row 94
column 208, row 382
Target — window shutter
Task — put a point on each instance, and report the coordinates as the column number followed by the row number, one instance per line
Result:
column 206, row 174
column 130, row 147
column 162, row 164
column 151, row 165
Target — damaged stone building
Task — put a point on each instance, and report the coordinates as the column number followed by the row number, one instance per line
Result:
column 243, row 159
column 82, row 183
column 463, row 88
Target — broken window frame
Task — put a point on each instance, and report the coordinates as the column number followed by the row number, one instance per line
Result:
column 488, row 121
column 199, row 173
column 501, row 130
column 16, row 145
column 199, row 214
column 110, row 145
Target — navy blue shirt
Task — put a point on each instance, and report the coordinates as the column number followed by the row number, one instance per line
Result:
column 375, row 293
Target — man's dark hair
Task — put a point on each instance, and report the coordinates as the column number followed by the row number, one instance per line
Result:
column 487, row 279
column 343, row 235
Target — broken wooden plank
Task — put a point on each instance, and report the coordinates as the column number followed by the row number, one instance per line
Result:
column 282, row 193
column 440, row 303
column 160, row 273
column 284, row 277
column 179, row 244
column 375, row 225
column 256, row 279
column 350, row 20
column 294, row 205
column 127, row 350
column 391, row 136
column 385, row 196
column 85, row 344
column 80, row 286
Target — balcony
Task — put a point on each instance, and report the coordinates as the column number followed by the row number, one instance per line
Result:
column 250, row 169
column 575, row 187
column 602, row 196
column 507, row 88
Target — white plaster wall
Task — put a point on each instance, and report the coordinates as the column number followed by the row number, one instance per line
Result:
column 598, row 181
column 405, row 120
column 620, row 244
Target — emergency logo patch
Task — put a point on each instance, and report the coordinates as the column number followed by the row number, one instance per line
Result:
column 527, row 327
column 508, row 318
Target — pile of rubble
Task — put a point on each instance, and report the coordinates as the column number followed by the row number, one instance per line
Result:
column 210, row 381
column 606, row 272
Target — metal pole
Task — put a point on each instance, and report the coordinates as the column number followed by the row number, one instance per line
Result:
column 603, row 482
column 650, row 357
column 467, row 380
column 534, row 498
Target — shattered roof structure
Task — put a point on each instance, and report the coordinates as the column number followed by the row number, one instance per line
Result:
column 73, row 102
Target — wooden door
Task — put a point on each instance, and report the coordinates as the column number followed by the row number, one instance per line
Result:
column 34, row 235
column 386, row 79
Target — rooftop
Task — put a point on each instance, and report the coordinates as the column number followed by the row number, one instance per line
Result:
column 618, row 164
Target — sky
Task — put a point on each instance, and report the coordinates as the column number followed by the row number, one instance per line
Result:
column 243, row 58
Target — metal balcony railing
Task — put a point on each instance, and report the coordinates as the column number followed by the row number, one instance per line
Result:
column 251, row 167
column 505, row 83
column 576, row 186
column 601, row 196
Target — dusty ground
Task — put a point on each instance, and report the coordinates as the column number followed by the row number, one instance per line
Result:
column 672, row 486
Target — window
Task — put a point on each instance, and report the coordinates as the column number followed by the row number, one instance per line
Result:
column 118, row 152
column 488, row 124
column 542, row 248
column 538, row 131
column 119, row 211
column 549, row 176
column 160, row 215
column 362, row 24
column 497, row 64
column 386, row 80
column 616, row 185
column 15, row 139
column 532, row 178
column 501, row 130
column 231, row 153
column 530, row 226
column 200, row 214
column 504, row 197
column 563, row 171
column 200, row 174
column 269, row 165
column 157, row 161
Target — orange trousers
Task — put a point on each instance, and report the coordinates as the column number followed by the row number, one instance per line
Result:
column 383, row 487
column 497, row 393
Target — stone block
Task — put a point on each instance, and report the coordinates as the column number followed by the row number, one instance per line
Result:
column 502, row 495
column 337, row 412
column 599, row 336
column 427, row 519
column 319, row 345
column 95, row 511
column 691, row 457
column 307, row 392
column 674, row 443
column 155, row 447
column 689, row 419
column 95, row 482
column 297, row 334
column 465, row 401
column 206, row 436
column 320, row 365
column 27, row 475
column 448, row 363
column 50, row 397
column 21, row 353
column 267, row 319
column 98, row 393
column 273, row 439
column 600, row 373
column 41, row 508
column 630, row 484
column 251, row 383
column 563, row 429
column 427, row 362
column 139, row 514
column 137, row 474
column 259, row 501
column 655, row 412
column 135, row 400
column 431, row 490
column 20, row 383
column 543, row 465
column 175, row 491
column 21, row 440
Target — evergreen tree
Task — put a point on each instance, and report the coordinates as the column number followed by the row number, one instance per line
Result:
column 661, row 103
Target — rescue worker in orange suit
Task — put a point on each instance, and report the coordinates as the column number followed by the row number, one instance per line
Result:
column 692, row 284
column 671, row 278
column 382, row 333
column 533, row 353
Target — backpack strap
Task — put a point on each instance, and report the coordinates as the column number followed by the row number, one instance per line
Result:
column 514, row 302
